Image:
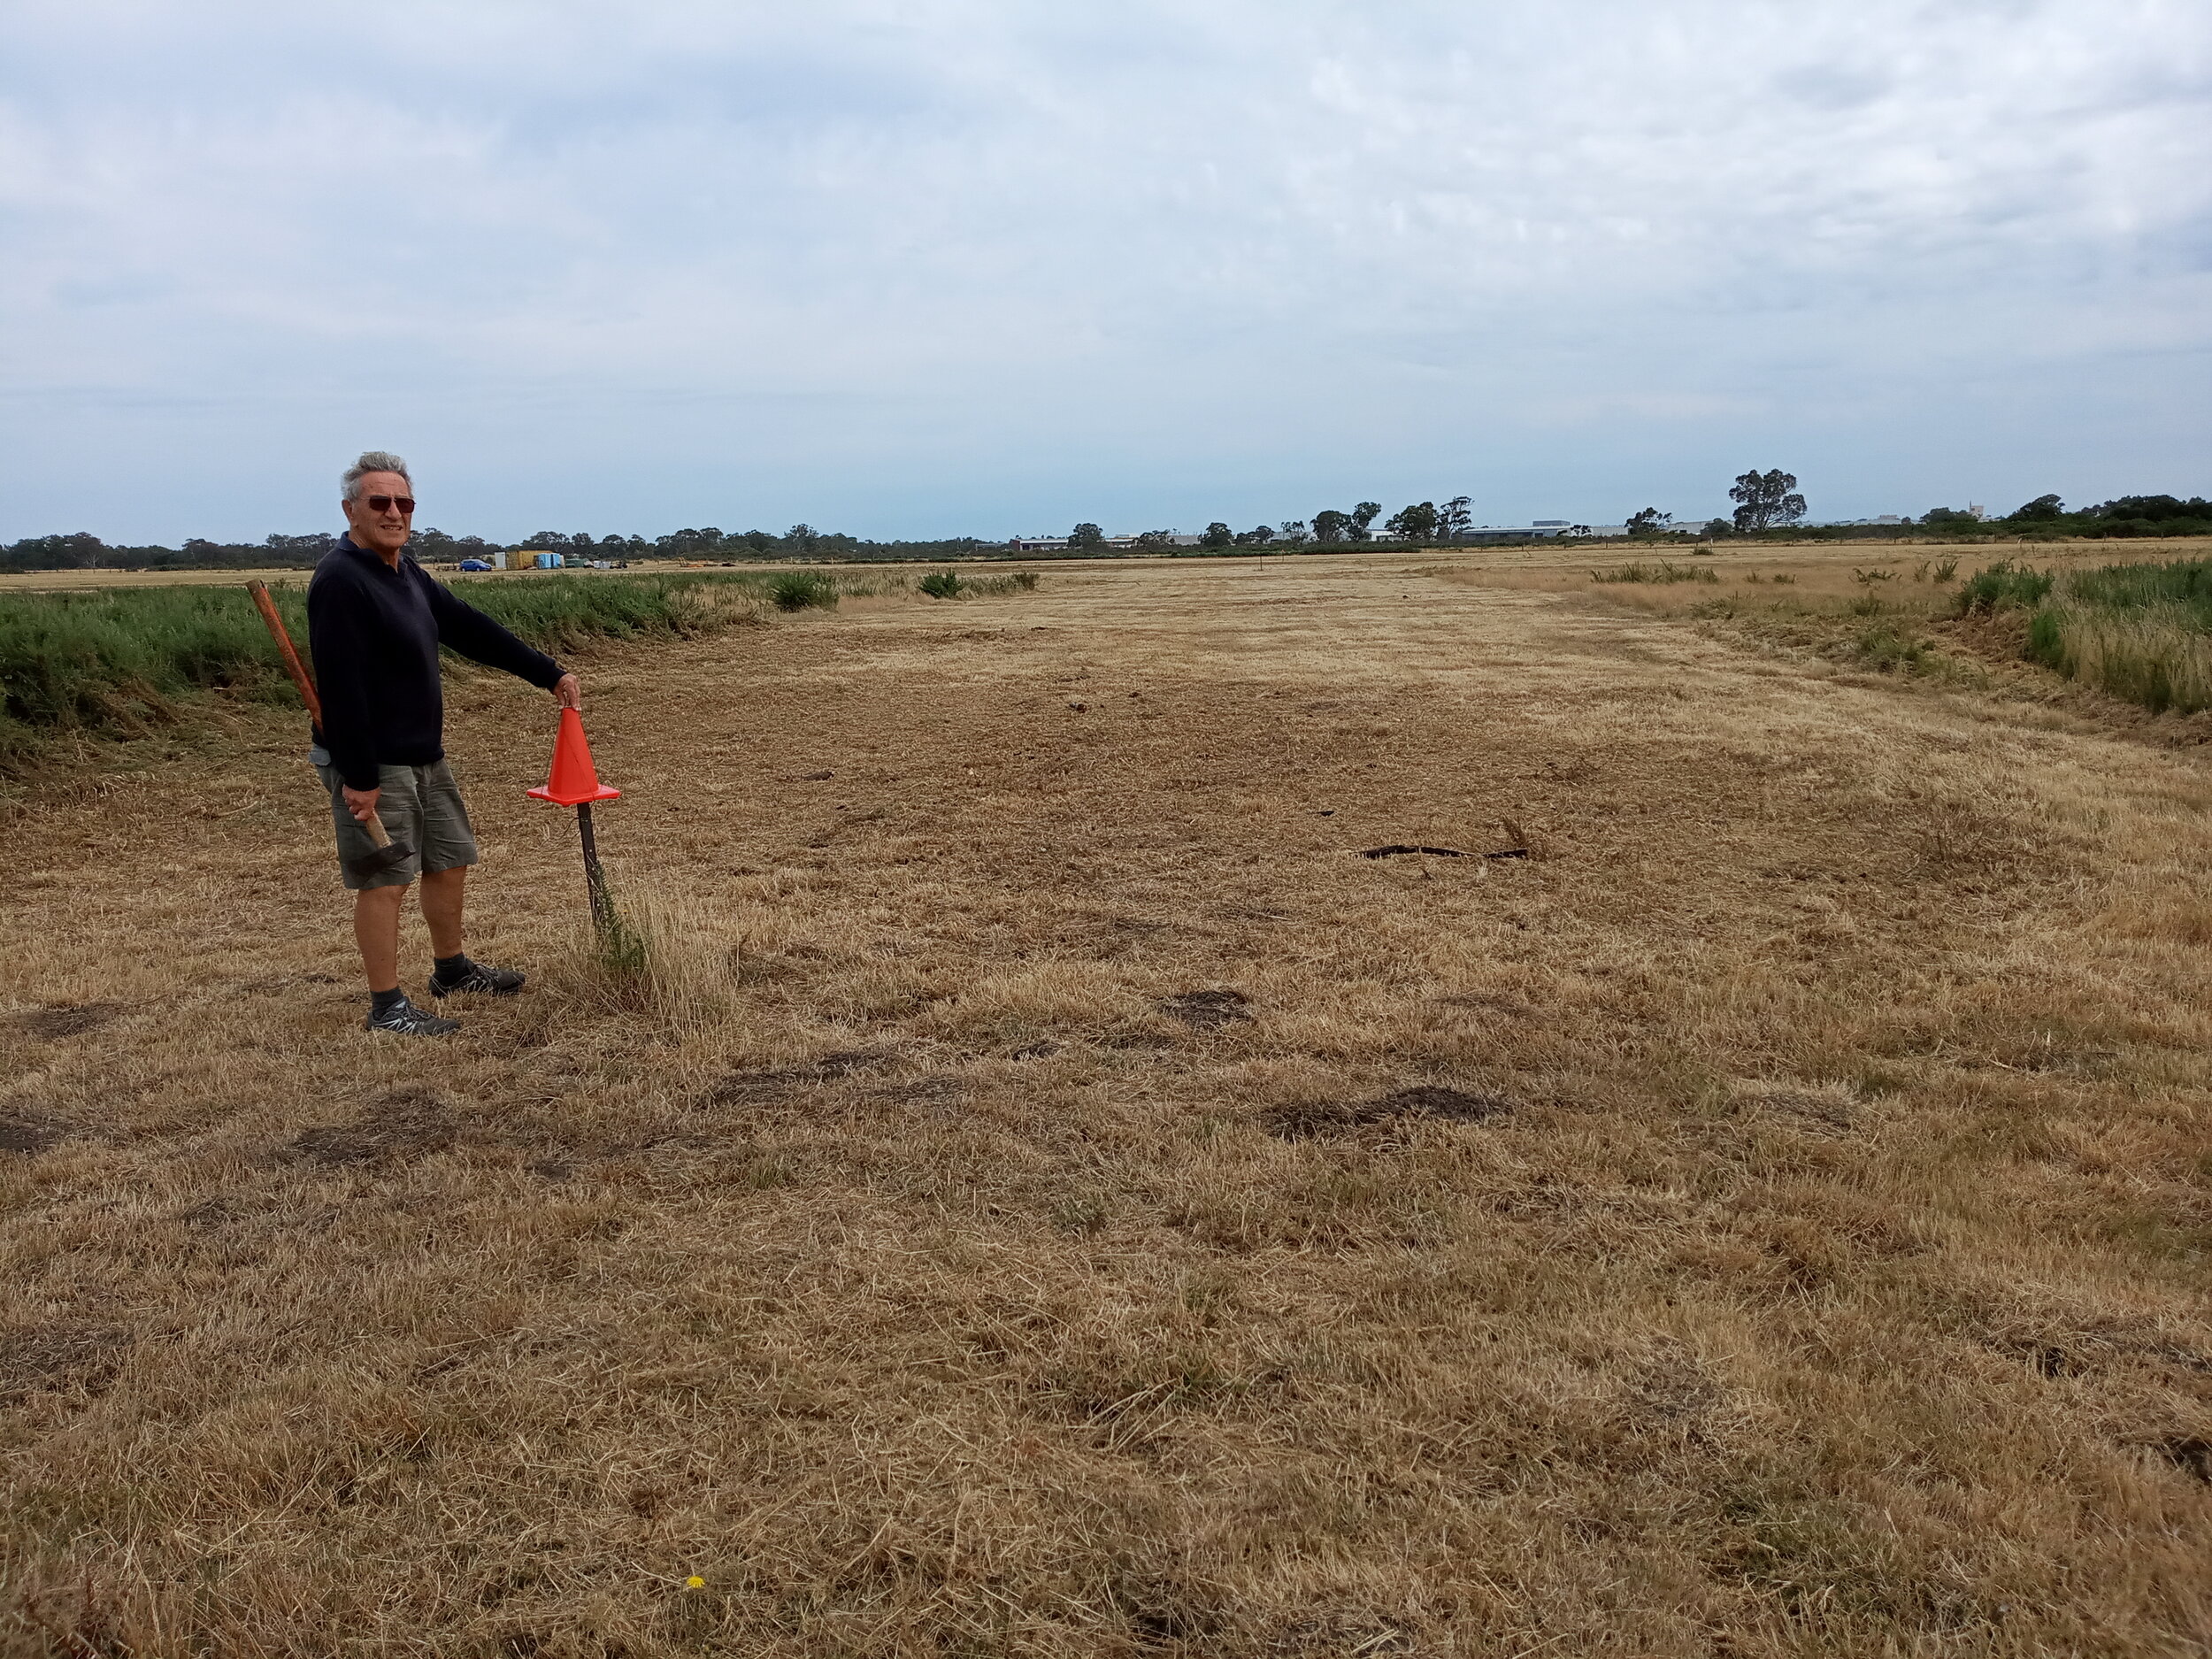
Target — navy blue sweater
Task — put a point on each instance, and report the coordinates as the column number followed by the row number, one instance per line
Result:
column 374, row 633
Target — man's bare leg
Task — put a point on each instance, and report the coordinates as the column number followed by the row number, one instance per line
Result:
column 376, row 929
column 441, row 900
column 441, row 896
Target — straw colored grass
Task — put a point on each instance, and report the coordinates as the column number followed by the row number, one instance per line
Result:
column 1059, row 1197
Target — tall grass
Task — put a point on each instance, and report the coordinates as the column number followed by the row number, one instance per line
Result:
column 800, row 590
column 1656, row 570
column 2003, row 586
column 2141, row 632
column 123, row 662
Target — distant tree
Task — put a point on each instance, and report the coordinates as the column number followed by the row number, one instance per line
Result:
column 1157, row 538
column 2153, row 509
column 80, row 551
column 1363, row 515
column 1766, row 500
column 1294, row 532
column 1950, row 521
column 1087, row 535
column 1414, row 523
column 1330, row 525
column 2149, row 515
column 801, row 538
column 1258, row 536
column 759, row 543
column 1718, row 527
column 1456, row 518
column 2042, row 509
column 1648, row 521
column 1218, row 534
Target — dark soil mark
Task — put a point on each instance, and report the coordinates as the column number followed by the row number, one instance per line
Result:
column 69, row 1020
column 54, row 1356
column 1310, row 1120
column 1208, row 1011
column 772, row 1084
column 2192, row 1455
column 28, row 1134
column 404, row 1123
column 1816, row 1112
column 1398, row 848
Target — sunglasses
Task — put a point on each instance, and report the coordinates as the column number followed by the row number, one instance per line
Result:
column 385, row 503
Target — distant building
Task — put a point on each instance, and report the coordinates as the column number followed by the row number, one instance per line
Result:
column 1112, row 544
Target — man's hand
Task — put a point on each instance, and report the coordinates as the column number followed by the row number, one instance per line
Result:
column 361, row 803
column 568, row 691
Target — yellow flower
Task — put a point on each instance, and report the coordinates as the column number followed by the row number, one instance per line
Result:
column 694, row 1582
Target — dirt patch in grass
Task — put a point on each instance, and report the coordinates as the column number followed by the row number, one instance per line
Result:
column 21, row 1131
column 1208, row 1011
column 57, row 1356
column 72, row 1020
column 1426, row 1102
column 402, row 1124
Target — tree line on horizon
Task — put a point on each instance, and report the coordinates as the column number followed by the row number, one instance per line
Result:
column 1768, row 503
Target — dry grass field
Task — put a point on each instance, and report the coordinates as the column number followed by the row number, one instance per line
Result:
column 1056, row 1196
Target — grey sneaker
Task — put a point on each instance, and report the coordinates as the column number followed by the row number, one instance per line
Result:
column 410, row 1021
column 480, row 980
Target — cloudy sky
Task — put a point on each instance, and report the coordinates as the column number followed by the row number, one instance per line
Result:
column 971, row 266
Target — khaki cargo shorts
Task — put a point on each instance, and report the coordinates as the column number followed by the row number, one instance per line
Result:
column 420, row 805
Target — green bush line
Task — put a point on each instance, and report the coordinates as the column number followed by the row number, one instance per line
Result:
column 2141, row 632
column 1664, row 571
column 119, row 662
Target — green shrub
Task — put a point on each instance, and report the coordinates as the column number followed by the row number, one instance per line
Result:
column 941, row 584
column 1888, row 649
column 1660, row 571
column 797, row 590
column 2003, row 585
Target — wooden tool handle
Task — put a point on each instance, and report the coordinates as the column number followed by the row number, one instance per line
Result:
column 298, row 670
column 377, row 833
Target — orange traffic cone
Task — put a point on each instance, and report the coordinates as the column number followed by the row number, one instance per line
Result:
column 574, row 782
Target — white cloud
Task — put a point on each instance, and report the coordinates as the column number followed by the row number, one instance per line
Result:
column 964, row 265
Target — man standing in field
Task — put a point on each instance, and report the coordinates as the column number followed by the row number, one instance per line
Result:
column 374, row 623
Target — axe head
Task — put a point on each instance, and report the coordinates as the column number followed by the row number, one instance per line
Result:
column 382, row 859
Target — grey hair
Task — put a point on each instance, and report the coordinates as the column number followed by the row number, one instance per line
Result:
column 371, row 461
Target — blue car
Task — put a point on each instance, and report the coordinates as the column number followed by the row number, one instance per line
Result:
column 475, row 564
